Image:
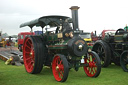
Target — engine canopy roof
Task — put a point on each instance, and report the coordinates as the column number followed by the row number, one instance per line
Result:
column 53, row 20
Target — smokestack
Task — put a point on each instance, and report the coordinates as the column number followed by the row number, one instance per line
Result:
column 74, row 10
column 95, row 32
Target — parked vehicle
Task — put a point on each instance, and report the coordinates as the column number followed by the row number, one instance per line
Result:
column 87, row 37
column 21, row 37
column 95, row 37
column 107, row 32
column 61, row 48
column 113, row 48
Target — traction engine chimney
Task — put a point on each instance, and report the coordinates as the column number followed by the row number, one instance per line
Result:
column 74, row 10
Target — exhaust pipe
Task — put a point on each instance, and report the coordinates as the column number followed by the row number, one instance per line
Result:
column 74, row 10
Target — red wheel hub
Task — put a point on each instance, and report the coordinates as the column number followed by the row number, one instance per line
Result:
column 92, row 64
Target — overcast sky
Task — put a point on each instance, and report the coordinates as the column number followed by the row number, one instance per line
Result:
column 93, row 14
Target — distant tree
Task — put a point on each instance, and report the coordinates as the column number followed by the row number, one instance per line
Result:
column 5, row 35
column 14, row 36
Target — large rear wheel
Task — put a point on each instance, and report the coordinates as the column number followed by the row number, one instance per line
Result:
column 60, row 68
column 124, row 61
column 33, row 53
column 92, row 64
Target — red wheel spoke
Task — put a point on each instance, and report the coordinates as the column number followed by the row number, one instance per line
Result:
column 29, row 63
column 94, row 65
column 93, row 59
column 57, row 61
column 89, row 70
column 87, row 60
column 31, row 67
column 92, row 70
column 28, row 47
column 32, row 60
column 60, row 62
column 61, row 74
column 95, row 68
column 57, row 72
column 29, row 42
column 27, row 52
column 28, row 58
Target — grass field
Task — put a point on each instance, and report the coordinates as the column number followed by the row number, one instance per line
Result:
column 16, row 75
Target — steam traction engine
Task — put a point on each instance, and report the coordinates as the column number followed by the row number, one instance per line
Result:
column 113, row 48
column 59, row 46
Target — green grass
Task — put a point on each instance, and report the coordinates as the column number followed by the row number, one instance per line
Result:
column 16, row 75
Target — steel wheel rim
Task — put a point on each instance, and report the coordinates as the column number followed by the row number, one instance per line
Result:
column 100, row 51
column 124, row 61
column 91, row 69
column 58, row 68
column 28, row 55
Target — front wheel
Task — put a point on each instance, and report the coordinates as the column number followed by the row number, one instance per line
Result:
column 124, row 61
column 104, row 52
column 92, row 65
column 60, row 68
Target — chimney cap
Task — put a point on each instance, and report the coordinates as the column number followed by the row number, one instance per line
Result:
column 74, row 7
